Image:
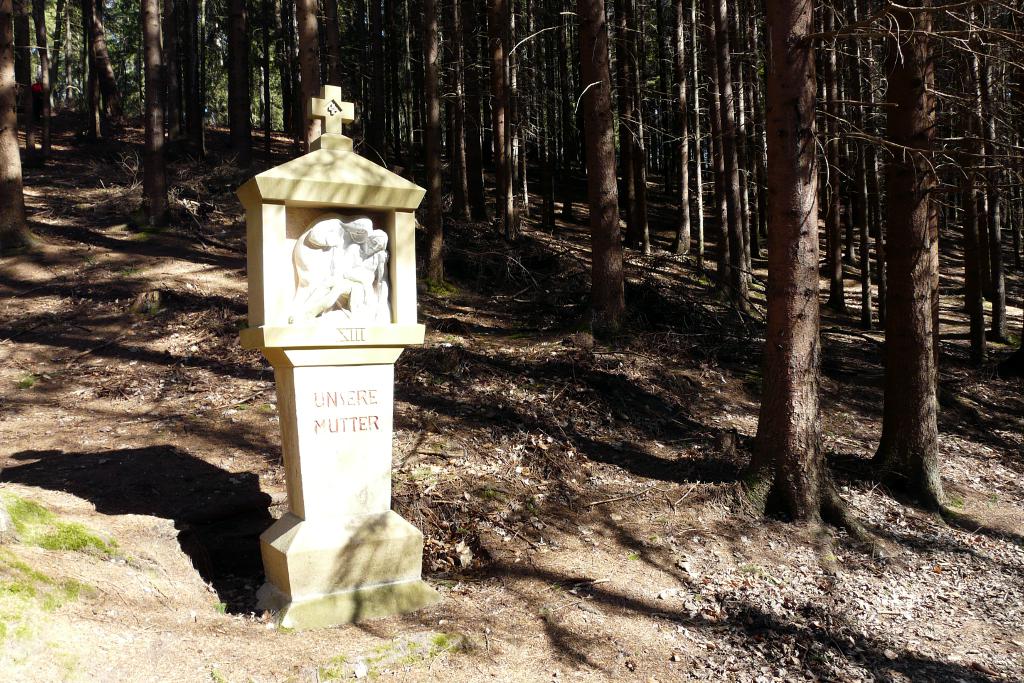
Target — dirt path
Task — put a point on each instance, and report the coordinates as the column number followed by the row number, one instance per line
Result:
column 577, row 500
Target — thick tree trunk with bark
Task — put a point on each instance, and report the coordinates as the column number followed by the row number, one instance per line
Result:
column 13, row 231
column 607, row 298
column 908, row 452
column 788, row 470
column 309, row 66
column 154, row 170
column 432, row 143
column 238, row 83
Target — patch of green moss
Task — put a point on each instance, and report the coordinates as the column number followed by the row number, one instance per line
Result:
column 25, row 514
column 441, row 289
column 38, row 526
column 27, row 381
column 75, row 537
column 334, row 669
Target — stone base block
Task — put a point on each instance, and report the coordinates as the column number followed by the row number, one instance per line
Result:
column 346, row 607
column 324, row 573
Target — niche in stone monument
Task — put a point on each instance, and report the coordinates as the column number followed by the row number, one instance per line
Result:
column 341, row 272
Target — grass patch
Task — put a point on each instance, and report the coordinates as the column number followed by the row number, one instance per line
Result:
column 441, row 289
column 38, row 526
column 26, row 594
column 405, row 653
column 27, row 381
column 74, row 537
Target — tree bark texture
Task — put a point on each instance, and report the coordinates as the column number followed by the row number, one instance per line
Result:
column 23, row 73
column 39, row 19
column 154, row 169
column 13, row 231
column 432, row 143
column 607, row 284
column 738, row 276
column 788, row 434
column 908, row 451
column 682, row 240
column 238, row 83
column 309, row 66
column 497, row 28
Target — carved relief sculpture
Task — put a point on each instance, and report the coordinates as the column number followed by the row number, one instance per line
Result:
column 341, row 273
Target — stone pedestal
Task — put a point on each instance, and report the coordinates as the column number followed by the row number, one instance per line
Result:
column 340, row 554
column 331, row 261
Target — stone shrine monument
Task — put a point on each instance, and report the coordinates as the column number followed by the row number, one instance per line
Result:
column 332, row 303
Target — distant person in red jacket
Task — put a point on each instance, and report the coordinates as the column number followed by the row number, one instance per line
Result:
column 37, row 101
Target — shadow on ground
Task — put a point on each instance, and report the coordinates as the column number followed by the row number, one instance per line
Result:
column 218, row 514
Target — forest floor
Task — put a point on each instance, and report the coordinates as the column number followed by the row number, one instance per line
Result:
column 578, row 499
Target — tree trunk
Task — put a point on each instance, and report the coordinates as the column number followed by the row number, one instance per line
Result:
column 172, row 15
column 376, row 122
column 309, row 67
column 460, row 181
column 570, row 155
column 717, row 158
column 860, row 87
column 497, row 27
column 682, row 241
column 995, row 217
column 432, row 143
column 23, row 73
column 39, row 19
column 91, row 100
column 267, row 11
column 788, row 469
column 194, row 124
column 607, row 298
column 13, row 230
column 93, row 10
column 471, row 75
column 739, row 278
column 973, row 299
column 833, row 210
column 154, row 177
column 332, row 29
column 60, row 40
column 908, row 452
column 698, row 157
column 239, row 111
column 637, row 208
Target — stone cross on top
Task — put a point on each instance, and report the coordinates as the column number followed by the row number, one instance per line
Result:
column 331, row 110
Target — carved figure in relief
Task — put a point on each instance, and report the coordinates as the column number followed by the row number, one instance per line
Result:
column 341, row 274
